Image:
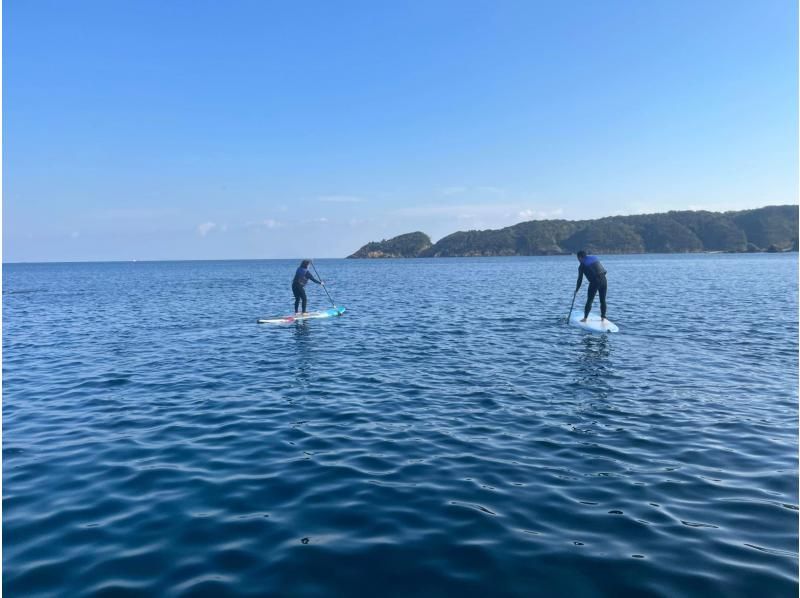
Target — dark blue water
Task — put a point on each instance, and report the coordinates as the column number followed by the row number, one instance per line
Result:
column 448, row 435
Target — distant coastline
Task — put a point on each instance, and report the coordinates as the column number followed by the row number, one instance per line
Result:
column 769, row 229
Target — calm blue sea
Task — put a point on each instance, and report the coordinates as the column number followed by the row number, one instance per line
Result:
column 448, row 436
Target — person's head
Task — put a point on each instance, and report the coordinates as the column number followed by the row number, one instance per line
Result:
column 305, row 263
column 581, row 254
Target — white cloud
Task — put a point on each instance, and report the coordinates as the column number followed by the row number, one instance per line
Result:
column 266, row 223
column 472, row 216
column 205, row 228
column 480, row 190
column 460, row 210
column 461, row 216
column 320, row 220
column 529, row 214
column 354, row 222
column 453, row 190
column 637, row 207
column 492, row 190
column 340, row 199
column 128, row 214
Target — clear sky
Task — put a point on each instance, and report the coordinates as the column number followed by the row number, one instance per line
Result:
column 188, row 129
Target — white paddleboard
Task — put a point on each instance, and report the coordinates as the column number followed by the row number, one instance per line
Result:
column 593, row 323
column 334, row 311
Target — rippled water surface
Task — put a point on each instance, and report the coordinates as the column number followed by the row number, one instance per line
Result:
column 449, row 435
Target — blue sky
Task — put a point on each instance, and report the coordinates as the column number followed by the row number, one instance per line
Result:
column 208, row 129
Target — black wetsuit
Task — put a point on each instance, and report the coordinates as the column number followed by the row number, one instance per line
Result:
column 594, row 272
column 301, row 277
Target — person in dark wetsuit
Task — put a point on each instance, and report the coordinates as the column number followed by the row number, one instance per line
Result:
column 301, row 277
column 594, row 272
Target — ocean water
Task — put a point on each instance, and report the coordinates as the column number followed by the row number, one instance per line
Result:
column 448, row 436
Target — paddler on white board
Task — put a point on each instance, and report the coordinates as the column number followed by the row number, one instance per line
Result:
column 594, row 272
column 301, row 277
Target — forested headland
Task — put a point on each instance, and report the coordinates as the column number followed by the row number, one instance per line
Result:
column 770, row 229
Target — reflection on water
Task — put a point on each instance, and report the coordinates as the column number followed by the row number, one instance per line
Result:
column 596, row 348
column 301, row 330
column 304, row 351
column 592, row 362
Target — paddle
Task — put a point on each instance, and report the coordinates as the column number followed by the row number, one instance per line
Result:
column 323, row 284
column 573, row 305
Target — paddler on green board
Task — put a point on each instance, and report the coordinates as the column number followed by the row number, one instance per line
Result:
column 301, row 277
column 593, row 270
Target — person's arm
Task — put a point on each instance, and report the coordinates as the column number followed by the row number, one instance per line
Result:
column 580, row 278
column 311, row 278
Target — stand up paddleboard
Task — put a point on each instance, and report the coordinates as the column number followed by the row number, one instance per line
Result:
column 328, row 313
column 593, row 323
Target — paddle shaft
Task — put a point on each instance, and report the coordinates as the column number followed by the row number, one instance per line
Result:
column 573, row 305
column 323, row 286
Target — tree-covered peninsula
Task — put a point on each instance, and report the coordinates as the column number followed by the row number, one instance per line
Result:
column 408, row 245
column 772, row 228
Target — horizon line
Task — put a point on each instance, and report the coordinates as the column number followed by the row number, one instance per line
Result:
column 393, row 259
